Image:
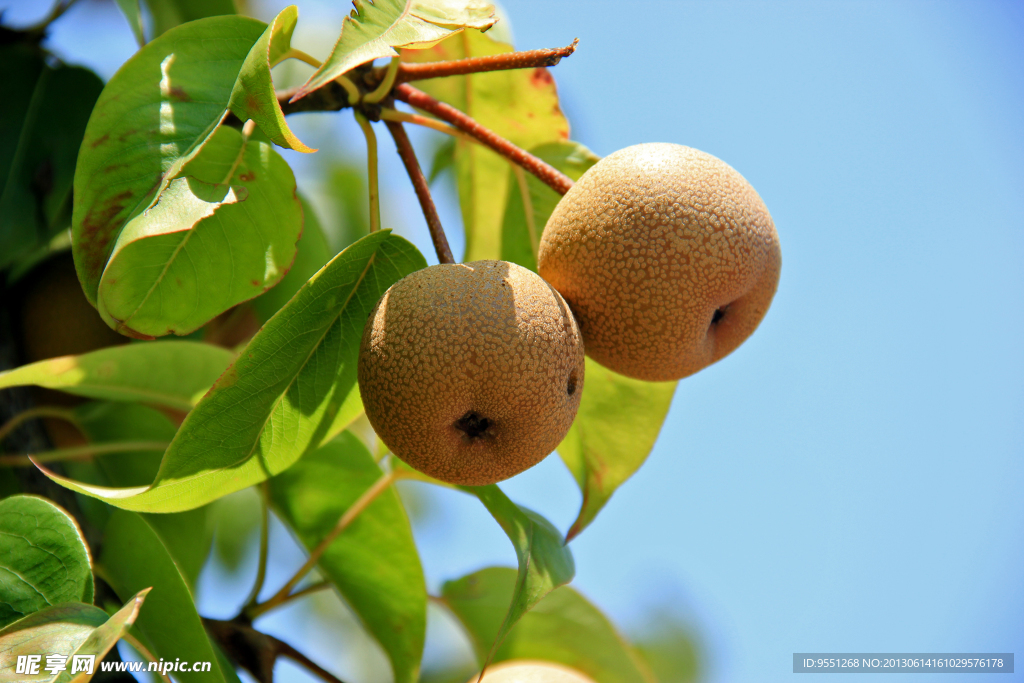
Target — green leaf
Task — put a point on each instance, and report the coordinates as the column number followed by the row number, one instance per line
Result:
column 133, row 13
column 222, row 233
column 254, row 96
column 563, row 627
column 374, row 562
column 60, row 629
column 133, row 559
column 43, row 114
column 311, row 254
column 170, row 13
column 615, row 429
column 100, row 641
column 520, row 105
column 530, row 202
column 292, row 387
column 44, row 560
column 175, row 374
column 374, row 29
column 152, row 117
column 186, row 534
column 545, row 562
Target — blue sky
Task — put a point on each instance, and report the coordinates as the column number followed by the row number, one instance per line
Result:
column 851, row 478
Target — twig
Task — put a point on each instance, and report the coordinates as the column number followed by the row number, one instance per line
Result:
column 526, row 59
column 57, row 454
column 371, row 163
column 256, row 652
column 419, row 183
column 33, row 413
column 547, row 173
column 350, row 514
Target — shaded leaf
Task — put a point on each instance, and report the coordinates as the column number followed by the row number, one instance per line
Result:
column 100, row 641
column 170, row 13
column 152, row 117
column 58, row 629
column 615, row 429
column 133, row 13
column 170, row 373
column 530, row 202
column 44, row 560
column 521, row 105
column 133, row 559
column 374, row 29
column 291, row 388
column 43, row 115
column 186, row 534
column 254, row 96
column 222, row 233
column 545, row 562
column 311, row 254
column 563, row 627
column 374, row 562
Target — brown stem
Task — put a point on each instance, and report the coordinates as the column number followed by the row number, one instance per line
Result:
column 509, row 60
column 419, row 183
column 548, row 174
column 256, row 652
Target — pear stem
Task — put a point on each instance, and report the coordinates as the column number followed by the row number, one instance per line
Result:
column 419, row 183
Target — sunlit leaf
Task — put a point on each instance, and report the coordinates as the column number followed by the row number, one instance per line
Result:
column 59, row 629
column 545, row 562
column 521, row 105
column 530, row 202
column 222, row 233
column 133, row 559
column 374, row 562
column 254, row 96
column 169, row 13
column 170, row 373
column 151, row 118
column 311, row 255
column 43, row 558
column 375, row 29
column 43, row 114
column 563, row 627
column 615, row 429
column 100, row 641
column 291, row 388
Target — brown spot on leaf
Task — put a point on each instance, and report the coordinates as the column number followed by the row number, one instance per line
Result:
column 540, row 78
column 255, row 283
column 96, row 232
column 246, row 177
column 100, row 140
column 179, row 95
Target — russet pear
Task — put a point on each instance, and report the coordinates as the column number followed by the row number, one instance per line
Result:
column 667, row 256
column 471, row 373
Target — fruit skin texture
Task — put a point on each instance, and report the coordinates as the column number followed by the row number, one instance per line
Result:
column 531, row 671
column 667, row 256
column 471, row 373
